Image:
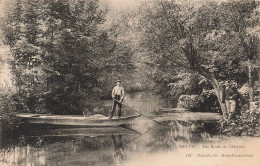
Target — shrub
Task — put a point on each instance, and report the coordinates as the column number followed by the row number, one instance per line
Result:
column 244, row 123
column 8, row 111
column 190, row 102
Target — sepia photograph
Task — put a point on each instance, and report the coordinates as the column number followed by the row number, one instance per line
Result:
column 129, row 82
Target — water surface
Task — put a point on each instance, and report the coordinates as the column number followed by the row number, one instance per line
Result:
column 140, row 142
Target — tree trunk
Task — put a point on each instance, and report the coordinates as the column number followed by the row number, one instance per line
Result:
column 218, row 91
column 217, row 88
column 250, row 83
column 191, row 55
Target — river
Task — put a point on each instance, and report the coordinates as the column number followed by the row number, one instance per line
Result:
column 140, row 142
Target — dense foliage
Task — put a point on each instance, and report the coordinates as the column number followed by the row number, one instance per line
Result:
column 209, row 39
column 245, row 123
column 62, row 59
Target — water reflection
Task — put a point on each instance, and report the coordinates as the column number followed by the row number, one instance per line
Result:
column 100, row 150
column 118, row 148
column 135, row 143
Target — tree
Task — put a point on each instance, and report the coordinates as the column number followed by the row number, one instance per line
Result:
column 196, row 37
column 119, row 25
column 61, row 56
column 20, row 31
column 242, row 16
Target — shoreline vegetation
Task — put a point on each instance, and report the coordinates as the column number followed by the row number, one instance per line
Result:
column 63, row 57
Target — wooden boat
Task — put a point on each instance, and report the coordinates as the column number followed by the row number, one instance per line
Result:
column 75, row 120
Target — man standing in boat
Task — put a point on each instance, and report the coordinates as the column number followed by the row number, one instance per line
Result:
column 118, row 94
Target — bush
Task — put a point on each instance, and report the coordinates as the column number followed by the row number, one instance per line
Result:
column 10, row 121
column 190, row 102
column 244, row 123
column 8, row 111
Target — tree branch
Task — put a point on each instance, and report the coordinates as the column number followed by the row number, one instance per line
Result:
column 168, row 21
